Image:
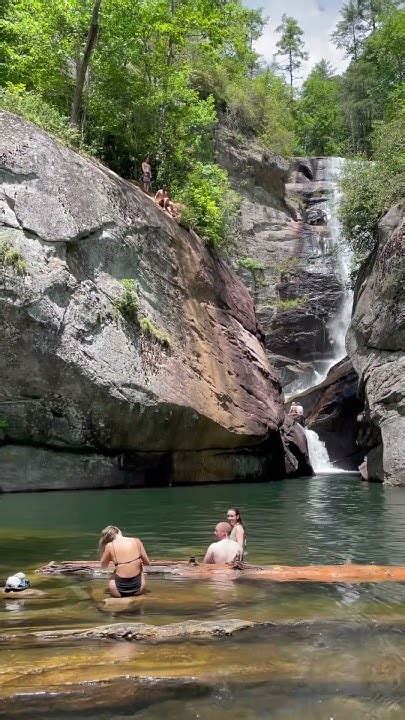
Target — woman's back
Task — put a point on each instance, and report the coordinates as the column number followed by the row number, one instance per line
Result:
column 126, row 555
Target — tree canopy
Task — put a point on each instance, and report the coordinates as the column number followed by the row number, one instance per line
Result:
column 125, row 78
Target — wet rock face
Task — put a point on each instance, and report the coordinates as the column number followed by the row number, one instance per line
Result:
column 79, row 373
column 282, row 229
column 376, row 344
column 331, row 410
column 295, row 445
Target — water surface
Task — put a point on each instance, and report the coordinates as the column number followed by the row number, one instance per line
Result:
column 335, row 651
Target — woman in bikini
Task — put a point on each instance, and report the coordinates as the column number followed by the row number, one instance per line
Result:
column 129, row 557
column 238, row 531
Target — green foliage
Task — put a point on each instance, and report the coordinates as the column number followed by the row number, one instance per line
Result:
column 370, row 86
column 128, row 303
column 250, row 264
column 210, row 204
column 261, row 106
column 3, row 424
column 320, row 123
column 11, row 258
column 350, row 29
column 159, row 74
column 152, row 331
column 286, row 304
column 287, row 267
column 256, row 268
column 16, row 99
column 369, row 188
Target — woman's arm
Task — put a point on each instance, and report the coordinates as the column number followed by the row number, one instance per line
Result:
column 106, row 557
column 143, row 554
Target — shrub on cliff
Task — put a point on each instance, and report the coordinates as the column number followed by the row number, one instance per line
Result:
column 369, row 188
column 11, row 258
column 209, row 203
column 128, row 303
column 16, row 99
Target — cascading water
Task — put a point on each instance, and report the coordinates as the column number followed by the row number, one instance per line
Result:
column 328, row 174
column 318, row 454
column 338, row 325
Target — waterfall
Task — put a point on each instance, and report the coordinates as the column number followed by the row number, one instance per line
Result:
column 318, row 454
column 338, row 325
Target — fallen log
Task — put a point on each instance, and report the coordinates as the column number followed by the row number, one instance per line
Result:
column 347, row 573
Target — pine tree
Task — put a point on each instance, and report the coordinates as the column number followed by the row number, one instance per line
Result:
column 291, row 46
column 351, row 29
column 374, row 10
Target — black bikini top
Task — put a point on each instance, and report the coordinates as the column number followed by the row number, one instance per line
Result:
column 126, row 562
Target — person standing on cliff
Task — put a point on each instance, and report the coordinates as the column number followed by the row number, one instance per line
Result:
column 146, row 175
column 224, row 550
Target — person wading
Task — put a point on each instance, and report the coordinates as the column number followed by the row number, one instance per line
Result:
column 224, row 550
column 238, row 531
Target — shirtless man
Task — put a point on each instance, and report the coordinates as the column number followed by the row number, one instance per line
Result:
column 224, row 550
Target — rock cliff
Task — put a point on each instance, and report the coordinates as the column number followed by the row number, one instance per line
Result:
column 283, row 255
column 376, row 344
column 331, row 410
column 164, row 379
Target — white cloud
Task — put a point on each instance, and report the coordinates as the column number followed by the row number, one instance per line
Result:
column 317, row 19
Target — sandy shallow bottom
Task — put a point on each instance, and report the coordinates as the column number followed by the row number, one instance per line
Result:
column 332, row 651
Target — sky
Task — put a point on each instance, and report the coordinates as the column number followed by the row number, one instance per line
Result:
column 317, row 19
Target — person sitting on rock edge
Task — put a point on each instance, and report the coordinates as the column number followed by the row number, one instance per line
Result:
column 296, row 410
column 129, row 556
column 224, row 550
column 163, row 200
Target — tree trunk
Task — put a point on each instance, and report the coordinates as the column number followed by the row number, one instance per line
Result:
column 354, row 42
column 290, row 70
column 83, row 67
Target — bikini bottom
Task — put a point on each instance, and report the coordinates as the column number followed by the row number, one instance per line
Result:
column 128, row 586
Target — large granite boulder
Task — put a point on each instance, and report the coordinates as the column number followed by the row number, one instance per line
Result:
column 376, row 344
column 295, row 445
column 331, row 410
column 139, row 394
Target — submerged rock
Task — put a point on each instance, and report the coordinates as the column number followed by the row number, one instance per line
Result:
column 139, row 632
column 376, row 345
column 163, row 381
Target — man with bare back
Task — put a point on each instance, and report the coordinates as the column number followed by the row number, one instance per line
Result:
column 224, row 550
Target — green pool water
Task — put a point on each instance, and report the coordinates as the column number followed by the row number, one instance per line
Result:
column 335, row 651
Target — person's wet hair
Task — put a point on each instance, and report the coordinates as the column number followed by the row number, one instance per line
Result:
column 106, row 536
